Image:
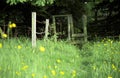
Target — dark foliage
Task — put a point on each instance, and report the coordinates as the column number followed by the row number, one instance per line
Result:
column 107, row 23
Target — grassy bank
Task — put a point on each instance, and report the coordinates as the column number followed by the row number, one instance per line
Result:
column 101, row 59
column 59, row 59
column 48, row 60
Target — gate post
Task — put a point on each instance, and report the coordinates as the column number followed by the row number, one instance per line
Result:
column 46, row 28
column 33, row 29
column 84, row 19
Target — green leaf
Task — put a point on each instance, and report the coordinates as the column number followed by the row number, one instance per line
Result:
column 34, row 2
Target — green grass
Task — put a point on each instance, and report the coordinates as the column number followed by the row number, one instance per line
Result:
column 19, row 60
column 99, row 59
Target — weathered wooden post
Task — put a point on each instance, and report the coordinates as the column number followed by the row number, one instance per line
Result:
column 46, row 28
column 33, row 29
column 54, row 26
column 69, row 28
column 84, row 19
column 71, row 24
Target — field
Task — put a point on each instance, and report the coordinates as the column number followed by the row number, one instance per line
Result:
column 51, row 59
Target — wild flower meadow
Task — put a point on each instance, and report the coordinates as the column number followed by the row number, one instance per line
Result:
column 59, row 59
column 48, row 60
column 101, row 59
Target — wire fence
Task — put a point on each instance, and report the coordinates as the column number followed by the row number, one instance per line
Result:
column 24, row 30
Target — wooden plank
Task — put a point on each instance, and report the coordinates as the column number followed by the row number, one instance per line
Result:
column 84, row 19
column 61, row 15
column 46, row 28
column 72, row 28
column 33, row 29
column 54, row 27
column 77, row 42
column 78, row 35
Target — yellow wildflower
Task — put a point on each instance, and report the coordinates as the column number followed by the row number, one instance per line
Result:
column 19, row 47
column 4, row 35
column 109, row 76
column 44, row 76
column 49, row 67
column 25, row 67
column 33, row 75
column 0, row 45
column 62, row 72
column 55, row 67
column 113, row 66
column 13, row 25
column 53, row 72
column 58, row 61
column 10, row 25
column 42, row 49
column 18, row 73
column 73, row 73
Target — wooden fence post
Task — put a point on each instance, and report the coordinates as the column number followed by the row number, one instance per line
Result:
column 84, row 19
column 54, row 26
column 69, row 28
column 46, row 28
column 33, row 29
column 71, row 25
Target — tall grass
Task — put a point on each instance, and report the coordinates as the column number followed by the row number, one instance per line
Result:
column 101, row 59
column 48, row 60
column 59, row 59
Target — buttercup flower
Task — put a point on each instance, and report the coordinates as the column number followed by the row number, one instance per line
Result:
column 73, row 73
column 25, row 67
column 62, row 72
column 0, row 45
column 113, row 66
column 53, row 72
column 42, row 49
column 4, row 35
column 33, row 75
column 55, row 67
column 13, row 25
column 44, row 76
column 19, row 47
column 10, row 25
column 58, row 61
column 109, row 76
column 18, row 73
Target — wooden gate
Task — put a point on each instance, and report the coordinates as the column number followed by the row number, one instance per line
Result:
column 59, row 29
column 71, row 36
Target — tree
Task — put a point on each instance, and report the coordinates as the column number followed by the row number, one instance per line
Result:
column 33, row 2
column 106, row 17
